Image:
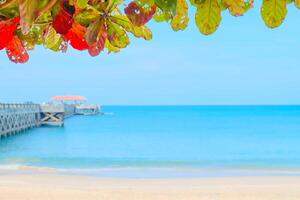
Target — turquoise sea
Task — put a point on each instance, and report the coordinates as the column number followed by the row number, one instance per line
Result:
column 206, row 137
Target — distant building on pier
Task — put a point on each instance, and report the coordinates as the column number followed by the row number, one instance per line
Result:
column 81, row 108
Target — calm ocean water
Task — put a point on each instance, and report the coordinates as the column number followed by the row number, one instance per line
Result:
column 227, row 137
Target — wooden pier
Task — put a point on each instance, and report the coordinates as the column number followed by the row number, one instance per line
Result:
column 15, row 118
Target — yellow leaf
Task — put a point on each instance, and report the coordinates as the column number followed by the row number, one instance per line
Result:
column 142, row 31
column 297, row 3
column 137, row 31
column 273, row 12
column 235, row 7
column 208, row 16
column 181, row 19
column 53, row 40
column 111, row 48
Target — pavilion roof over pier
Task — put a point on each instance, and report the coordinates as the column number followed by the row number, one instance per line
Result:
column 69, row 98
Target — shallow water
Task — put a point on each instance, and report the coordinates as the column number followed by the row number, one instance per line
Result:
column 222, row 137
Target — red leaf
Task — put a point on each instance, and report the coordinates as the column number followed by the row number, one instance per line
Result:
column 64, row 20
column 76, row 36
column 138, row 15
column 16, row 51
column 7, row 31
column 96, row 48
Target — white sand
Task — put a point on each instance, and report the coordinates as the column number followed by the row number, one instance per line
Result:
column 65, row 187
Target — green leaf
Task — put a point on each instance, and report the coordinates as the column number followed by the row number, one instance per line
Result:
column 181, row 19
column 145, row 2
column 53, row 40
column 162, row 16
column 82, row 3
column 43, row 3
column 274, row 12
column 34, row 37
column 137, row 31
column 208, row 16
column 166, row 10
column 86, row 17
column 122, row 20
column 56, row 9
column 10, row 12
column 28, row 13
column 167, row 5
column 248, row 5
column 117, row 36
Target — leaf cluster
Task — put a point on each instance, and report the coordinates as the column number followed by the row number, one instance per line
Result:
column 95, row 25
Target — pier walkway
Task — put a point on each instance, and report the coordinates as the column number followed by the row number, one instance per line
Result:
column 15, row 118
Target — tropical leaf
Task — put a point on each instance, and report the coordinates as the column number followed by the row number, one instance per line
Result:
column 94, row 30
column 76, row 37
column 208, row 16
column 28, row 13
column 166, row 10
column 7, row 31
column 64, row 20
column 162, row 16
column 297, row 3
column 34, row 37
column 248, row 5
column 123, row 21
column 16, row 51
column 167, row 5
column 112, row 4
column 274, row 12
column 145, row 2
column 97, row 24
column 82, row 3
column 196, row 2
column 10, row 12
column 181, row 19
column 137, row 31
column 138, row 15
column 97, row 47
column 111, row 48
column 87, row 17
column 43, row 3
column 235, row 7
column 117, row 36
column 142, row 31
column 53, row 40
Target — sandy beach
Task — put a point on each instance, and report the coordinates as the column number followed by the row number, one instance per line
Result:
column 51, row 186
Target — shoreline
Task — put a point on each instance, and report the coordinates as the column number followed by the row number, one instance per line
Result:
column 51, row 186
column 149, row 172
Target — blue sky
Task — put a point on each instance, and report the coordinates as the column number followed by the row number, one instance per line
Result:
column 244, row 62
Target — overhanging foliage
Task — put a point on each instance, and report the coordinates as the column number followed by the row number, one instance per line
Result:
column 94, row 25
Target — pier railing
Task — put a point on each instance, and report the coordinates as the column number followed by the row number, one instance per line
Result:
column 30, row 107
column 15, row 118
